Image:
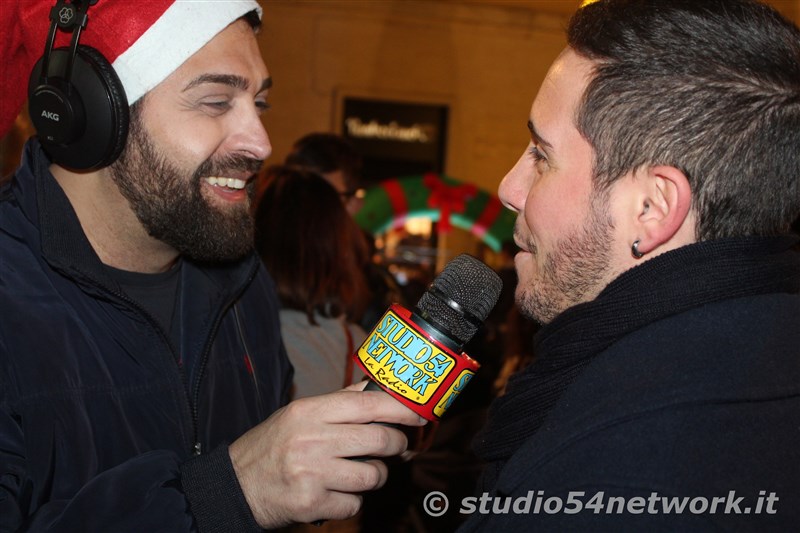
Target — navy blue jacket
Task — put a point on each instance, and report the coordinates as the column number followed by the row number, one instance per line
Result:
column 704, row 404
column 99, row 421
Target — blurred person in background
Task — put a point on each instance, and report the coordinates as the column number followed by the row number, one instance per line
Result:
column 335, row 158
column 317, row 261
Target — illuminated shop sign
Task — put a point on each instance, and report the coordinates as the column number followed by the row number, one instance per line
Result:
column 392, row 131
column 396, row 138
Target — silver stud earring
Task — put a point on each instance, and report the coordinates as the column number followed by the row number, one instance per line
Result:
column 635, row 250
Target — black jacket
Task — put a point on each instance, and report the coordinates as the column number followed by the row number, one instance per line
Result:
column 98, row 420
column 689, row 423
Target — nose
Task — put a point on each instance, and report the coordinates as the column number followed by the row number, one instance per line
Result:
column 251, row 138
column 514, row 188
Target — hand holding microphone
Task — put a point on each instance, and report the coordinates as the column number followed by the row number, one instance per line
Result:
column 296, row 466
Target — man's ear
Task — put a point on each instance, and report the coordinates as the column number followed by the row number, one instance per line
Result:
column 665, row 200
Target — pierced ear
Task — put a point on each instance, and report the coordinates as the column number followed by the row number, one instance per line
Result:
column 664, row 207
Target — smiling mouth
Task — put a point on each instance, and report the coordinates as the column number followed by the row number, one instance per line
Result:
column 230, row 183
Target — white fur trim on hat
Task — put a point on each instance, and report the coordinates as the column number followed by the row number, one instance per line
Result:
column 184, row 28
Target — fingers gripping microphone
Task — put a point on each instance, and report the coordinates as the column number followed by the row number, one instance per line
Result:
column 416, row 356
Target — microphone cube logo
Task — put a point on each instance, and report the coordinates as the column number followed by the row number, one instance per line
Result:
column 402, row 359
column 411, row 366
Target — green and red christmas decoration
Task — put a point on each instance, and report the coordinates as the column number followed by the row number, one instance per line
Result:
column 441, row 199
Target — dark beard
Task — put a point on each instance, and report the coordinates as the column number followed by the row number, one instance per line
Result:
column 572, row 271
column 172, row 208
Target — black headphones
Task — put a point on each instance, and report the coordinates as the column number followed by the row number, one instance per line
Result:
column 75, row 99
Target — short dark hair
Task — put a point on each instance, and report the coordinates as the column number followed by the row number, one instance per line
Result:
column 327, row 152
column 313, row 249
column 711, row 87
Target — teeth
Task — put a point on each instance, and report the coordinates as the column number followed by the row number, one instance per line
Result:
column 231, row 183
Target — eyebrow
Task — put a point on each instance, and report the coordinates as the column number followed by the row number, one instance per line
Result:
column 232, row 80
column 538, row 138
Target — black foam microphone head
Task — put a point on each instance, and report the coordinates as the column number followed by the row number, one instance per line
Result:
column 474, row 289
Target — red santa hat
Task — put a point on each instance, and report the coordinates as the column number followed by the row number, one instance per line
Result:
column 144, row 40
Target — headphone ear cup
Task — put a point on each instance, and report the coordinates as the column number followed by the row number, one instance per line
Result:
column 94, row 127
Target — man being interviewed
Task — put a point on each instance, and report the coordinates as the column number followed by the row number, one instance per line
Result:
column 654, row 204
column 139, row 331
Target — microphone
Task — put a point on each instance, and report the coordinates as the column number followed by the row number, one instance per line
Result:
column 416, row 356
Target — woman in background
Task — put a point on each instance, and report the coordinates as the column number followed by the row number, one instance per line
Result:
column 316, row 254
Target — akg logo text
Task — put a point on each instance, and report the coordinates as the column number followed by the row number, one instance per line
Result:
column 49, row 114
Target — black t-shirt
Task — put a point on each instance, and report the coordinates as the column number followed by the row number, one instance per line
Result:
column 156, row 293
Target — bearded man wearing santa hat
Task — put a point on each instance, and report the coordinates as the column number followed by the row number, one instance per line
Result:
column 142, row 373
